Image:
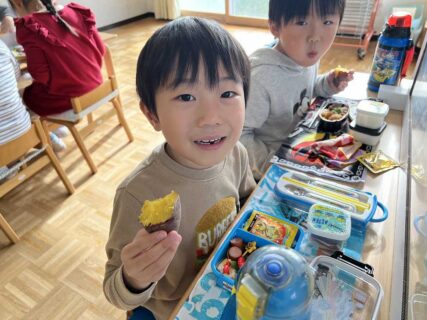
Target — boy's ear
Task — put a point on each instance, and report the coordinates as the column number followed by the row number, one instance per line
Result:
column 274, row 28
column 155, row 123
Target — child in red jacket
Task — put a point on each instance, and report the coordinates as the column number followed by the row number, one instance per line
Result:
column 64, row 53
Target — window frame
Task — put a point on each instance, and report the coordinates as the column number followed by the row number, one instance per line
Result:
column 228, row 18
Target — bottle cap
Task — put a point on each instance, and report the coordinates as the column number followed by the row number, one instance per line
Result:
column 400, row 19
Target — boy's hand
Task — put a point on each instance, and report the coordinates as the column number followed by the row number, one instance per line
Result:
column 338, row 81
column 147, row 257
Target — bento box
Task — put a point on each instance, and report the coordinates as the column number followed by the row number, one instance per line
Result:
column 302, row 191
column 344, row 291
column 254, row 229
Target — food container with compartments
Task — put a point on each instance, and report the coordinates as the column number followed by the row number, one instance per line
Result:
column 371, row 114
column 344, row 289
column 254, row 228
column 302, row 191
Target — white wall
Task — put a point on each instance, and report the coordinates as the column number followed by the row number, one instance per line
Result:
column 384, row 10
column 112, row 11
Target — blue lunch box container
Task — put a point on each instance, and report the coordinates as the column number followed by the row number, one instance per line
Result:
column 302, row 191
column 238, row 231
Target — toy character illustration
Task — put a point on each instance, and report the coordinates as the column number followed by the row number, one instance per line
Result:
column 302, row 106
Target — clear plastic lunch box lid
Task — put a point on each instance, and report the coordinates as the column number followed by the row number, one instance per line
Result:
column 342, row 291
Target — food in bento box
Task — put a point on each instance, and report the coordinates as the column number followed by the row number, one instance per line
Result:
column 333, row 117
column 235, row 257
column 271, row 228
column 237, row 242
column 161, row 214
column 334, row 112
column 234, row 253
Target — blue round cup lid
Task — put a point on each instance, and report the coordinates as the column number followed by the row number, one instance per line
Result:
column 274, row 268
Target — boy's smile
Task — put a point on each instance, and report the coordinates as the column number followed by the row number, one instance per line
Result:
column 306, row 40
column 210, row 143
column 201, row 123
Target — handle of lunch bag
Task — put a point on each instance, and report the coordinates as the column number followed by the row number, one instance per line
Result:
column 385, row 213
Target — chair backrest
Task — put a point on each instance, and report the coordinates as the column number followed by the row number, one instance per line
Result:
column 17, row 149
column 103, row 92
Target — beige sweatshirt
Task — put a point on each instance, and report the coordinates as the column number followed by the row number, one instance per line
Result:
column 205, row 216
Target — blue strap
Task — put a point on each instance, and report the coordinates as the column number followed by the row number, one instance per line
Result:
column 229, row 312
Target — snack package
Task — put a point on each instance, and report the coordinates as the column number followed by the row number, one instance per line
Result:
column 271, row 228
column 377, row 161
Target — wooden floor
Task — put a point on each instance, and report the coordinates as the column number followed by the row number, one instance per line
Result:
column 56, row 270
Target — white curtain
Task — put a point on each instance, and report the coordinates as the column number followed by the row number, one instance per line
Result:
column 166, row 9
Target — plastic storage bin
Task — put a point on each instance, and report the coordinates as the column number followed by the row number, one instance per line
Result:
column 343, row 291
column 371, row 114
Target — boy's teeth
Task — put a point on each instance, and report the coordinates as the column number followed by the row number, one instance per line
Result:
column 212, row 141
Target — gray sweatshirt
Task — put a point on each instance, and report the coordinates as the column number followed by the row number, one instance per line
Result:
column 280, row 93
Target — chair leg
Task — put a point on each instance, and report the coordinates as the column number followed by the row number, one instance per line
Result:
column 61, row 173
column 90, row 118
column 82, row 148
column 117, row 105
column 10, row 233
column 46, row 131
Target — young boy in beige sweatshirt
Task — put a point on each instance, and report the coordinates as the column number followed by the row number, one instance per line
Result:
column 193, row 80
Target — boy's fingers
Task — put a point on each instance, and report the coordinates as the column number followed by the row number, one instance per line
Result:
column 141, row 242
column 167, row 246
column 157, row 265
column 158, row 269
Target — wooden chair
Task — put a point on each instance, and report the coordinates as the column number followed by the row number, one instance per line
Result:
column 84, row 105
column 28, row 164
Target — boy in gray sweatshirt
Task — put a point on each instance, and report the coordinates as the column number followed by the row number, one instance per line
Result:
column 284, row 78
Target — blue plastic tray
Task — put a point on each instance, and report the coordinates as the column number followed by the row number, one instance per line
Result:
column 223, row 280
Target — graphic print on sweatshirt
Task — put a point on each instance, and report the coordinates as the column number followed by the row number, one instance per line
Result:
column 212, row 226
column 301, row 107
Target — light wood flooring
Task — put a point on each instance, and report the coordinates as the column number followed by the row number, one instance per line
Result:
column 56, row 270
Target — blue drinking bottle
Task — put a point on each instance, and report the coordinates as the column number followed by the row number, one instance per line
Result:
column 394, row 52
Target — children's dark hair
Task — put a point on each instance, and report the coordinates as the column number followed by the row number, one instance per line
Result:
column 51, row 8
column 174, row 53
column 287, row 10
